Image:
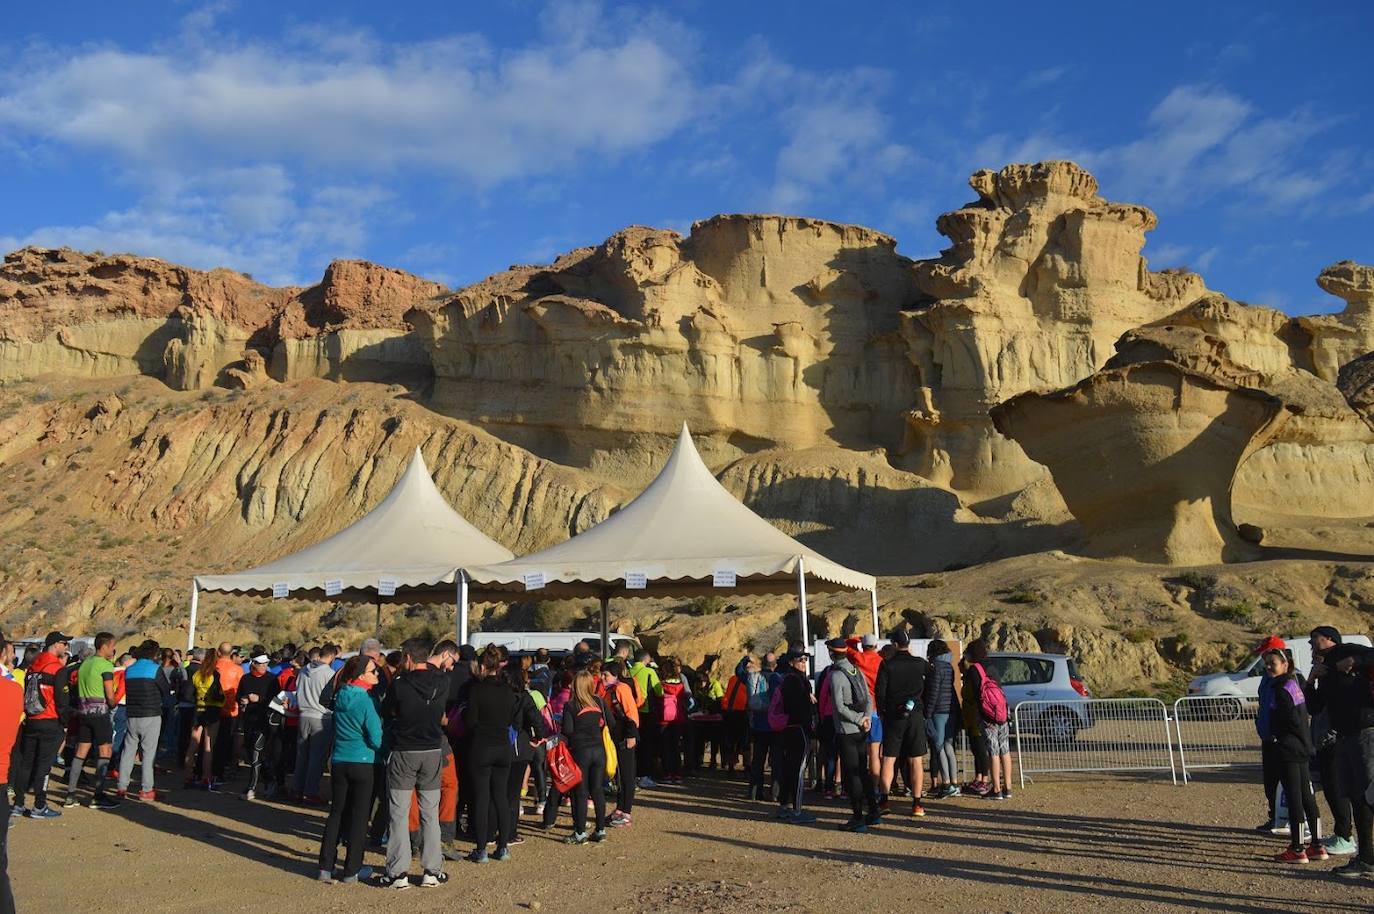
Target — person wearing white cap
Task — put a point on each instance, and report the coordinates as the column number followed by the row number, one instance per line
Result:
column 256, row 691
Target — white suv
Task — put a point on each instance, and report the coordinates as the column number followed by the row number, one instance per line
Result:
column 1043, row 678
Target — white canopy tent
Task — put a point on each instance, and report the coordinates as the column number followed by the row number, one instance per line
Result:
column 408, row 548
column 684, row 535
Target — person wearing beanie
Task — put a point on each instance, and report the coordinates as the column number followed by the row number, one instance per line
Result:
column 1323, row 639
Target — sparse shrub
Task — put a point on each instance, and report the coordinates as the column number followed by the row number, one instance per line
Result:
column 930, row 581
column 707, row 606
column 1197, row 580
column 1239, row 611
column 1022, row 596
column 1139, row 635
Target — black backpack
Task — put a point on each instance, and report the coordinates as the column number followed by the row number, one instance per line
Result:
column 34, row 702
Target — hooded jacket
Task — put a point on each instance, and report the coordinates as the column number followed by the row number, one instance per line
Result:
column 848, row 696
column 415, row 708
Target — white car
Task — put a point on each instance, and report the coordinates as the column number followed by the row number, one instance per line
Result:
column 1031, row 677
column 1244, row 681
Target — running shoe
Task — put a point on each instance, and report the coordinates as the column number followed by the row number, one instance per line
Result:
column 250, row 795
column 478, row 857
column 598, row 836
column 69, row 802
column 311, row 800
column 873, row 818
column 214, row 785
column 516, row 840
column 784, row 812
column 539, row 808
column 855, row 824
column 122, row 793
column 502, row 854
column 1006, row 794
column 621, row 821
column 362, row 875
column 885, row 805
column 148, row 796
column 577, row 837
column 646, row 782
column 918, row 810
column 1355, row 867
column 450, row 852
column 17, row 811
column 1337, row 846
column 103, row 802
column 828, row 794
column 1292, row 855
column 399, row 881
column 325, row 876
column 1317, row 852
column 995, row 795
column 802, row 818
column 433, row 880
column 44, row 812
column 950, row 790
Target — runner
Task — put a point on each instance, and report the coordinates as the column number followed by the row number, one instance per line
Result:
column 96, row 697
column 357, row 737
column 648, row 692
column 11, row 709
column 145, row 694
column 583, row 719
column 795, row 702
column 44, row 729
column 852, row 714
column 1290, row 730
column 314, row 697
column 1323, row 640
column 900, row 686
column 205, row 690
column 492, row 710
column 1346, row 670
column 674, row 709
column 256, row 691
column 531, row 728
column 991, row 703
column 414, row 711
column 942, row 715
column 625, row 716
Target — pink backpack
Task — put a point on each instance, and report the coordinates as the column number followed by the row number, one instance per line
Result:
column 672, row 702
column 992, row 701
column 777, row 714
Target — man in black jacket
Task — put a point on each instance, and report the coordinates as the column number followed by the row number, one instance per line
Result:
column 414, row 712
column 793, row 741
column 256, row 691
column 1344, row 675
column 897, row 693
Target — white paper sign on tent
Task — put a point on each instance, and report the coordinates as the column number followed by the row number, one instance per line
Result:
column 386, row 587
column 333, row 588
column 636, row 580
column 534, row 580
column 280, row 589
column 724, row 579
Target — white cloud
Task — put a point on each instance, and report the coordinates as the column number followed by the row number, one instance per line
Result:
column 1166, row 255
column 1038, row 79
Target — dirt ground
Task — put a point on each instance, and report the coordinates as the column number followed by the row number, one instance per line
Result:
column 1059, row 845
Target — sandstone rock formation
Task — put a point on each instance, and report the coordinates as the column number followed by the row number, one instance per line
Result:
column 1145, row 455
column 1339, row 338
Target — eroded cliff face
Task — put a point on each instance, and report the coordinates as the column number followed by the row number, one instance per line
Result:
column 758, row 331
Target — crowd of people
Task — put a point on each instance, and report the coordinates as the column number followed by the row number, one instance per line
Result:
column 436, row 750
column 1323, row 722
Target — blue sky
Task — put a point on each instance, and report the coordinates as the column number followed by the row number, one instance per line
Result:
column 456, row 139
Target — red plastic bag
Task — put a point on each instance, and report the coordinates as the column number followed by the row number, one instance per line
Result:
column 564, row 771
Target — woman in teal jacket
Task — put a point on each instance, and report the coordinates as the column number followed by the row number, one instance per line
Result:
column 357, row 737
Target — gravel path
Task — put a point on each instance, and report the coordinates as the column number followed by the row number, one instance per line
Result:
column 1060, row 845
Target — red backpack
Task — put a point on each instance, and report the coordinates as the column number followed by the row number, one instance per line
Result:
column 992, row 701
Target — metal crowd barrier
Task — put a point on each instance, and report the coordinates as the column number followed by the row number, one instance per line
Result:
column 1093, row 735
column 1216, row 732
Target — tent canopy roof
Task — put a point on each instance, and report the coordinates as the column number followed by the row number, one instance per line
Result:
column 413, row 538
column 678, row 533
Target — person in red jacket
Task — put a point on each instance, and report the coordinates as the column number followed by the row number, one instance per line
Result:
column 42, row 732
column 867, row 661
column 11, row 708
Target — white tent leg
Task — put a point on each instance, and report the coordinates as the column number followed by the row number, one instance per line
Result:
column 801, row 608
column 605, row 625
column 462, row 607
column 874, row 594
column 191, row 628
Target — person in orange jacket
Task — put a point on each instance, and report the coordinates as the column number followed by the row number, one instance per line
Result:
column 735, row 708
column 11, row 709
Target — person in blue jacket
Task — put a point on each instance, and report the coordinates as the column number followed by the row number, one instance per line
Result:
column 357, row 737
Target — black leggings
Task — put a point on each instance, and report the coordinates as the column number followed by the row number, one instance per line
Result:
column 670, row 746
column 793, row 743
column 761, row 742
column 592, row 761
column 858, row 779
column 625, row 762
column 1297, row 788
column 1271, row 767
column 982, row 759
column 351, row 802
column 38, row 743
column 516, row 780
column 489, row 771
column 1334, row 793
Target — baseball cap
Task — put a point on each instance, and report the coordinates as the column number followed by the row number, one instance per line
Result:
column 262, row 658
column 837, row 644
column 55, row 638
column 870, row 640
column 1272, row 643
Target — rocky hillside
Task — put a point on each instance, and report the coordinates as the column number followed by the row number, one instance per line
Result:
column 1035, row 413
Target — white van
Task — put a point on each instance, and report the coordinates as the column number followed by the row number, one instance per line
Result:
column 554, row 642
column 1244, row 682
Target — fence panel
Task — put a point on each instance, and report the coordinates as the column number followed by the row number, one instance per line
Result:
column 1216, row 732
column 1093, row 735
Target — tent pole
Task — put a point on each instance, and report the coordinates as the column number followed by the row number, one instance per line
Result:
column 801, row 593
column 462, row 607
column 191, row 628
column 605, row 624
column 874, row 594
column 378, row 631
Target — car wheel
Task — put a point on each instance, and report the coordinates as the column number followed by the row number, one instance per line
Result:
column 1059, row 726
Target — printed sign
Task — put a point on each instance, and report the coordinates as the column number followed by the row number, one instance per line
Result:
column 534, row 580
column 280, row 589
column 333, row 588
column 636, row 580
column 386, row 587
column 724, row 579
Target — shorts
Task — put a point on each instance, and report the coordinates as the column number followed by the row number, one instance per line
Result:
column 207, row 718
column 875, row 729
column 904, row 737
column 96, row 729
column 999, row 738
